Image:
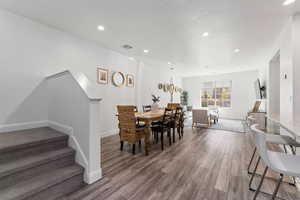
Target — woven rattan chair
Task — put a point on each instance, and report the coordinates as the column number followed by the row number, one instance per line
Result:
column 173, row 106
column 129, row 131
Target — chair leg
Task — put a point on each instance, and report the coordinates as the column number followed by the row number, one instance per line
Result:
column 293, row 150
column 170, row 138
column 294, row 153
column 173, row 135
column 253, row 174
column 162, row 140
column 260, row 183
column 156, row 137
column 121, row 145
column 182, row 131
column 284, row 147
column 133, row 149
column 140, row 144
column 250, row 163
column 277, row 186
column 178, row 132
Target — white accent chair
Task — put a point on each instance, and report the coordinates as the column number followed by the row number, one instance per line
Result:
column 282, row 163
column 200, row 117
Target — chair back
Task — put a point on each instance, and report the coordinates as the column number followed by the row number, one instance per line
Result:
column 178, row 113
column 200, row 116
column 261, row 144
column 256, row 106
column 173, row 106
column 127, row 120
column 168, row 114
column 146, row 108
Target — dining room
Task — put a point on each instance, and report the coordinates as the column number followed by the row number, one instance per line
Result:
column 149, row 100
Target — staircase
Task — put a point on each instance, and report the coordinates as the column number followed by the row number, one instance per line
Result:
column 37, row 164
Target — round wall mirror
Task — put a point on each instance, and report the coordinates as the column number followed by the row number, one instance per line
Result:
column 118, row 79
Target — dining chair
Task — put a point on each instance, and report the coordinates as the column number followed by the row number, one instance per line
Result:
column 181, row 123
column 281, row 163
column 175, row 123
column 173, row 106
column 146, row 108
column 129, row 131
column 163, row 126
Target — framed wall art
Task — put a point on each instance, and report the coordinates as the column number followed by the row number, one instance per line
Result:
column 102, row 76
column 129, row 80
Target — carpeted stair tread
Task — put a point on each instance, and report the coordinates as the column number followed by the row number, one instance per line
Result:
column 27, row 162
column 11, row 141
column 27, row 188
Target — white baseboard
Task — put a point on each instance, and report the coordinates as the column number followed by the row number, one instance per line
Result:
column 92, row 177
column 23, row 126
column 60, row 127
column 109, row 133
column 80, row 156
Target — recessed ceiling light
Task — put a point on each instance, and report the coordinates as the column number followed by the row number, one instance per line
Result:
column 101, row 28
column 237, row 50
column 288, row 2
column 205, row 34
column 146, row 51
column 127, row 46
column 169, row 63
column 131, row 58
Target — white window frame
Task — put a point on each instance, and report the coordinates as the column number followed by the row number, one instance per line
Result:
column 213, row 88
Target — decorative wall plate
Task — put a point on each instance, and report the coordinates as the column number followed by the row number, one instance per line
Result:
column 160, row 86
column 171, row 88
column 168, row 88
column 118, row 79
column 165, row 87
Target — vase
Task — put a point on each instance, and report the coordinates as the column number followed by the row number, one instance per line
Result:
column 155, row 107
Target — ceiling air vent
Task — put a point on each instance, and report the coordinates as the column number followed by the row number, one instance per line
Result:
column 127, row 46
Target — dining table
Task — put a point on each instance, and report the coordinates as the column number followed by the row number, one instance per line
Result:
column 148, row 118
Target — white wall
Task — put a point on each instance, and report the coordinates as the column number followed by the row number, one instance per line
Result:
column 31, row 51
column 148, row 85
column 242, row 95
column 274, row 86
column 285, row 44
column 296, row 68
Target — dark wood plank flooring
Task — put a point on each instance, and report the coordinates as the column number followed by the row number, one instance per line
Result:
column 205, row 165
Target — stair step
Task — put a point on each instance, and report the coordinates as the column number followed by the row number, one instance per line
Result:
column 18, row 144
column 48, row 186
column 16, row 170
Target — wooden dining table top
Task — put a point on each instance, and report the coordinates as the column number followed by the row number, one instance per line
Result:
column 150, row 115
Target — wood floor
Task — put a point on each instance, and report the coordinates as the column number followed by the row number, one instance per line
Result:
column 205, row 165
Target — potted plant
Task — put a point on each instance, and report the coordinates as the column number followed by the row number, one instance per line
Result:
column 184, row 99
column 155, row 105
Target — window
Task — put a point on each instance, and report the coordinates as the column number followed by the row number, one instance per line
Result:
column 216, row 94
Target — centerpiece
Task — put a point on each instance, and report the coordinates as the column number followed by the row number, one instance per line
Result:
column 155, row 105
